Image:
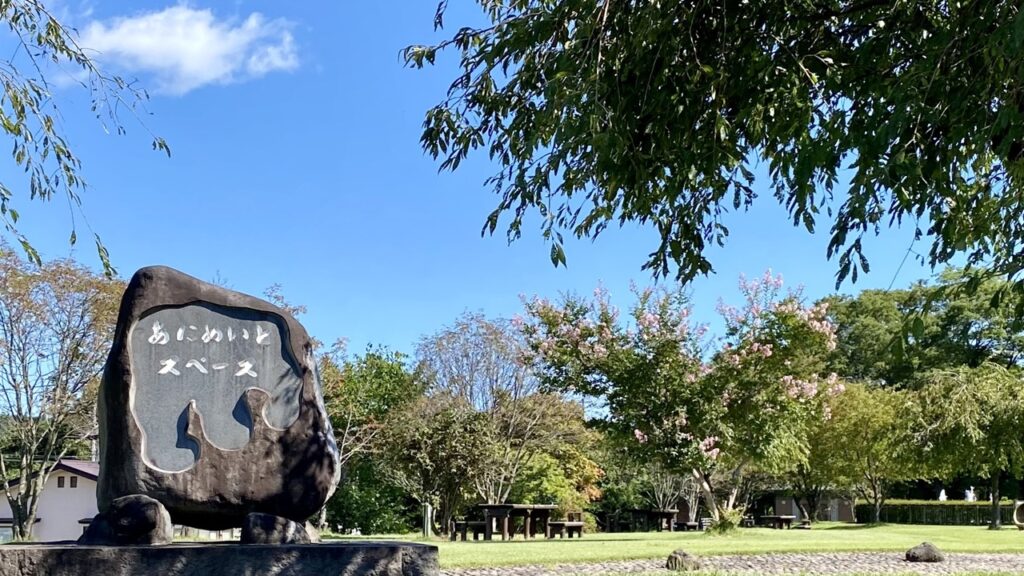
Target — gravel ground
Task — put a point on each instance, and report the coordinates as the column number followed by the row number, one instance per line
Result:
column 818, row 564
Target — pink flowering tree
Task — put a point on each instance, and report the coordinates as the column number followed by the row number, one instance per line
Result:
column 697, row 405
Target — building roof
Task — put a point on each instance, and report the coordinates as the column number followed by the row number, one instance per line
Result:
column 83, row 468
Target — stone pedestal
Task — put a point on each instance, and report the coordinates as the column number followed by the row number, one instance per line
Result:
column 228, row 559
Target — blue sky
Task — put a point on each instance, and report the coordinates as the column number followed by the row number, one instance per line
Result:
column 294, row 130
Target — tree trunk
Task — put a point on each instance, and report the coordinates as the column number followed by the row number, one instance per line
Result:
column 803, row 508
column 21, row 525
column 813, row 504
column 996, row 522
column 878, row 510
column 709, row 494
column 693, row 503
column 733, row 497
column 17, row 521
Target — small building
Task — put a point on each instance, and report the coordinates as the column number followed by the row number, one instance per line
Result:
column 67, row 503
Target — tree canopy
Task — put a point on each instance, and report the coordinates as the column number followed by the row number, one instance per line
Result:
column 56, row 323
column 858, row 114
column 970, row 423
column 749, row 405
column 948, row 327
column 31, row 118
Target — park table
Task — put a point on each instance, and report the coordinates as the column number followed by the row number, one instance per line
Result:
column 533, row 515
column 659, row 517
column 779, row 522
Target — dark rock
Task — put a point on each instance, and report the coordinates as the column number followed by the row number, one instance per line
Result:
column 211, row 404
column 139, row 519
column 925, row 552
column 220, row 559
column 682, row 561
column 267, row 529
column 130, row 520
column 99, row 532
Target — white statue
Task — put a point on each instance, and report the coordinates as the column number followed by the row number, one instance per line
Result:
column 942, row 495
column 969, row 495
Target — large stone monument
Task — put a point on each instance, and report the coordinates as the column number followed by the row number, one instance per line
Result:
column 211, row 405
column 211, row 416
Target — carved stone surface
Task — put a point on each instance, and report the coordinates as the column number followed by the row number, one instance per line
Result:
column 209, row 355
column 211, row 404
column 266, row 529
column 130, row 520
column 349, row 559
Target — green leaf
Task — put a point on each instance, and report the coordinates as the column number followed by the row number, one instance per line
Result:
column 997, row 298
column 917, row 327
column 557, row 254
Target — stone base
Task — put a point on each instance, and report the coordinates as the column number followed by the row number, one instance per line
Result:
column 227, row 559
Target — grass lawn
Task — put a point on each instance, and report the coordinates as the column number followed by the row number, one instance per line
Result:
column 629, row 546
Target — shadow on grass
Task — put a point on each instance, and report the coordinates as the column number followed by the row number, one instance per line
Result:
column 841, row 527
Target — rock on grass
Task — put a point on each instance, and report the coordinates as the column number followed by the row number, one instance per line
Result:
column 925, row 552
column 682, row 561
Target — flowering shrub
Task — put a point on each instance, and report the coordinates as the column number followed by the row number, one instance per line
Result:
column 672, row 393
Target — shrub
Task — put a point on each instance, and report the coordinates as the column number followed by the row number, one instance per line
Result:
column 728, row 521
column 948, row 513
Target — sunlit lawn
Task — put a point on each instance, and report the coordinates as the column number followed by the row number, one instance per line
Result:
column 662, row 573
column 631, row 546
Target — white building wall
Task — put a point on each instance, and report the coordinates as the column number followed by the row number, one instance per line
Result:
column 60, row 509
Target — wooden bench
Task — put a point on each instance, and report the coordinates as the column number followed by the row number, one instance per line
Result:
column 572, row 525
column 687, row 526
column 462, row 527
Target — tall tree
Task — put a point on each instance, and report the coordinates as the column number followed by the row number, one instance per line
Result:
column 824, row 472
column 361, row 392
column 481, row 362
column 872, row 425
column 869, row 335
column 972, row 327
column 665, row 488
column 56, row 322
column 667, row 113
column 749, row 406
column 432, row 449
column 971, row 420
column 31, row 118
column 892, row 336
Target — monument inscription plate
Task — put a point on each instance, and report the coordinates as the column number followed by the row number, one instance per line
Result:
column 208, row 356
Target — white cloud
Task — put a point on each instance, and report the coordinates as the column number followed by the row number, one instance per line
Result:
column 185, row 48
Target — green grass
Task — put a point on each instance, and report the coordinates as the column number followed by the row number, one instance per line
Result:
column 809, row 574
column 631, row 546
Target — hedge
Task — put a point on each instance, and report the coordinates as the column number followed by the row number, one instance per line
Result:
column 948, row 513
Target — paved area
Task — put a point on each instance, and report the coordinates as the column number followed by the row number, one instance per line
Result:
column 817, row 564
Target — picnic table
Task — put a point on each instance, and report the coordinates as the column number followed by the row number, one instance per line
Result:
column 534, row 516
column 660, row 518
column 778, row 522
